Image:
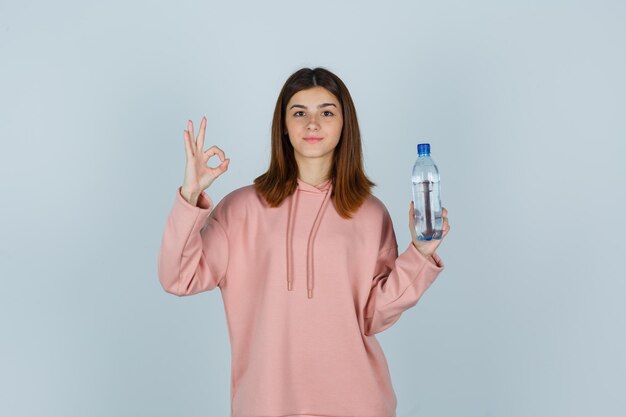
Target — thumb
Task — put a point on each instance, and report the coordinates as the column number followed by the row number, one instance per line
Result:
column 221, row 168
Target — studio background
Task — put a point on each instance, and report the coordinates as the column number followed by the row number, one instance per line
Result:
column 521, row 101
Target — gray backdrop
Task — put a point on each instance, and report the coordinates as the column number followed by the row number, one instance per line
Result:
column 522, row 102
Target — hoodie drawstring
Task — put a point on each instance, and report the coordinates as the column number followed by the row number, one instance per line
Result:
column 312, row 234
column 292, row 213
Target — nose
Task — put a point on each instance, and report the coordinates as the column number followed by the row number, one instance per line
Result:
column 313, row 124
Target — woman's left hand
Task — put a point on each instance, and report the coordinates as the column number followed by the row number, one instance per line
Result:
column 427, row 247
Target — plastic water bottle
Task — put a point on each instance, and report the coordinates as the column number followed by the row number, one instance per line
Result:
column 426, row 197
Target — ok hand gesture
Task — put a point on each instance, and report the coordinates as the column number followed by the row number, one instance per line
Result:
column 198, row 175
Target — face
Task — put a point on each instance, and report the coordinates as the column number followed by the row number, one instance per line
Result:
column 313, row 120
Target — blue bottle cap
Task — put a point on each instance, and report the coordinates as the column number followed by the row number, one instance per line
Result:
column 423, row 149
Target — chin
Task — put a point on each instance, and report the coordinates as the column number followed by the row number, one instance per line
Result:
column 319, row 154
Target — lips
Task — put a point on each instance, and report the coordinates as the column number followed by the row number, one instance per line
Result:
column 312, row 139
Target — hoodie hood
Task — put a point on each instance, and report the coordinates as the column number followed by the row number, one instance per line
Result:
column 324, row 188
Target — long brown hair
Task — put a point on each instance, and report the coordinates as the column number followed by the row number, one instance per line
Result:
column 350, row 184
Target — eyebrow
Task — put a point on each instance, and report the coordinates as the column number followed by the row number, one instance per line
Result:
column 305, row 107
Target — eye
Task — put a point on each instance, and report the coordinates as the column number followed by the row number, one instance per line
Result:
column 296, row 113
column 329, row 112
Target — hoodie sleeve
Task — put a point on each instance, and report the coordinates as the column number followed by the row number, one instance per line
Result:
column 194, row 248
column 398, row 284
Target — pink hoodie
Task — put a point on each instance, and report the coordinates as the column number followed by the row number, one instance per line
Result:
column 304, row 290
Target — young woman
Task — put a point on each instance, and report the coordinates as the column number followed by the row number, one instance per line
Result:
column 306, row 260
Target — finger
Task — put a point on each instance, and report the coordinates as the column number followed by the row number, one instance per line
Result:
column 188, row 147
column 201, row 133
column 190, row 130
column 445, row 212
column 214, row 150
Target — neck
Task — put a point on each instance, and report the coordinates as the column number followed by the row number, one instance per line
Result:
column 314, row 170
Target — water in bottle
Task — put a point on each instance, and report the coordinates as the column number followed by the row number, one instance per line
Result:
column 426, row 198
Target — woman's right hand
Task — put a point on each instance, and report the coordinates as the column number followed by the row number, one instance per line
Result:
column 198, row 175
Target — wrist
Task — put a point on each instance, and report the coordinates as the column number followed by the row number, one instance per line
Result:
column 190, row 196
column 424, row 252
